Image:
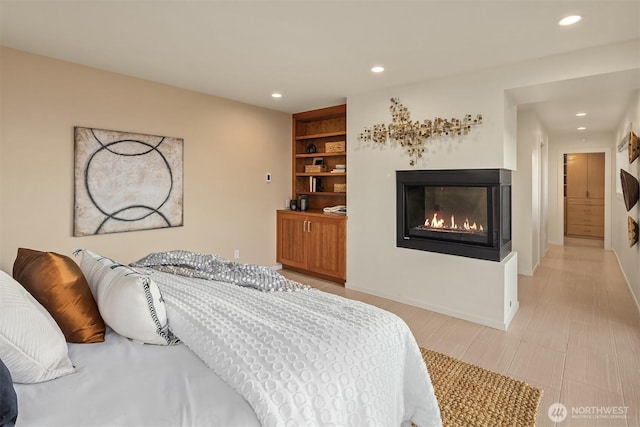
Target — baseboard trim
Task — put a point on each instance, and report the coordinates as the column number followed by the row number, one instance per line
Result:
column 626, row 280
column 511, row 314
column 276, row 267
column 525, row 273
column 438, row 309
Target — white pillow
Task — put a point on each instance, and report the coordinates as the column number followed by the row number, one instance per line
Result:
column 31, row 342
column 129, row 302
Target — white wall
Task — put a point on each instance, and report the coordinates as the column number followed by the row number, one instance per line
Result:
column 435, row 281
column 544, row 196
column 629, row 258
column 529, row 218
column 510, row 135
column 458, row 286
column 228, row 147
column 563, row 144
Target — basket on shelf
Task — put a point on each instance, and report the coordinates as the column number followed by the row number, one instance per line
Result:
column 334, row 147
column 339, row 188
column 315, row 168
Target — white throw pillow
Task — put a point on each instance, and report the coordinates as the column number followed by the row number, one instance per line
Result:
column 129, row 302
column 32, row 345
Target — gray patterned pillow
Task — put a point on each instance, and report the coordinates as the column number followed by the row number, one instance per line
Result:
column 8, row 398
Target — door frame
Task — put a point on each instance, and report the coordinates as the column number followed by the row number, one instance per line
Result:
column 607, row 187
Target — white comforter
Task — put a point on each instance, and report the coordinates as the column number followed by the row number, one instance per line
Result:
column 305, row 358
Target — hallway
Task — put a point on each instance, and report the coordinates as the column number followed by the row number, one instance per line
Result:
column 582, row 330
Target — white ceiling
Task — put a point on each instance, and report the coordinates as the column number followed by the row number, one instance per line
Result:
column 603, row 98
column 316, row 53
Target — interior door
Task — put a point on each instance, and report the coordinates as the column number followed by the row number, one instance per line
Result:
column 595, row 175
column 577, row 166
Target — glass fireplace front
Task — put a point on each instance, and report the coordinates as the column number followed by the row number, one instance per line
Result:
column 461, row 212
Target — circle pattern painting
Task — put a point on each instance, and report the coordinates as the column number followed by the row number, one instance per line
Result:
column 126, row 182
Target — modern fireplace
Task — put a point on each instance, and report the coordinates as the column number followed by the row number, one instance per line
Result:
column 458, row 212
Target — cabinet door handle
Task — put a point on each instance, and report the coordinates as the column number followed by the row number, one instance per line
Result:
column 304, row 226
column 309, row 227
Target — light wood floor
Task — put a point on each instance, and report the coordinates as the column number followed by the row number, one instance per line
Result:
column 576, row 334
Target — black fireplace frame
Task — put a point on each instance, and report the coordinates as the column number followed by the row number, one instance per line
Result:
column 499, row 229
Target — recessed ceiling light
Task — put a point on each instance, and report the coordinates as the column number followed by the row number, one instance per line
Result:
column 276, row 95
column 377, row 69
column 569, row 20
column 581, row 114
column 582, row 128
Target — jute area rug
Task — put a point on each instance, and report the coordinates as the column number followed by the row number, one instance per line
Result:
column 470, row 396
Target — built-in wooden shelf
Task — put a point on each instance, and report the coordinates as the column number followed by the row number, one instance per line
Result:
column 322, row 174
column 322, row 193
column 335, row 154
column 321, row 135
column 312, row 241
column 319, row 128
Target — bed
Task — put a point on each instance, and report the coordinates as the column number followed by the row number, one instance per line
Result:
column 123, row 383
column 254, row 349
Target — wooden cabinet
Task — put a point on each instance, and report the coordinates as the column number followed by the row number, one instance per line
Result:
column 291, row 246
column 316, row 134
column 585, row 217
column 313, row 242
column 584, row 206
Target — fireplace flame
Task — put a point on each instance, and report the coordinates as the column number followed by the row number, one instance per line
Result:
column 469, row 227
column 436, row 222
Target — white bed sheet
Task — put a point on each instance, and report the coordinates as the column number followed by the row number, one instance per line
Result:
column 124, row 383
column 306, row 358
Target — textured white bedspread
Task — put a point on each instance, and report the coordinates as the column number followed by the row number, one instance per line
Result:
column 305, row 358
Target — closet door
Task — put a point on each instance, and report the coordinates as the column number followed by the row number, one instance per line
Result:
column 595, row 175
column 577, row 167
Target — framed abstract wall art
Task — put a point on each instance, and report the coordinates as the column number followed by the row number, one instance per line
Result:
column 126, row 181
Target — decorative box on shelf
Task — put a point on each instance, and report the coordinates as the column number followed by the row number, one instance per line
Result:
column 339, row 188
column 334, row 147
column 315, row 168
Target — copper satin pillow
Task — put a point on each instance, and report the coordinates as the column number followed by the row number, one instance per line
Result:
column 57, row 282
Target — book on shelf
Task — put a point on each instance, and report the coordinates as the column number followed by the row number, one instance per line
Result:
column 315, row 184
